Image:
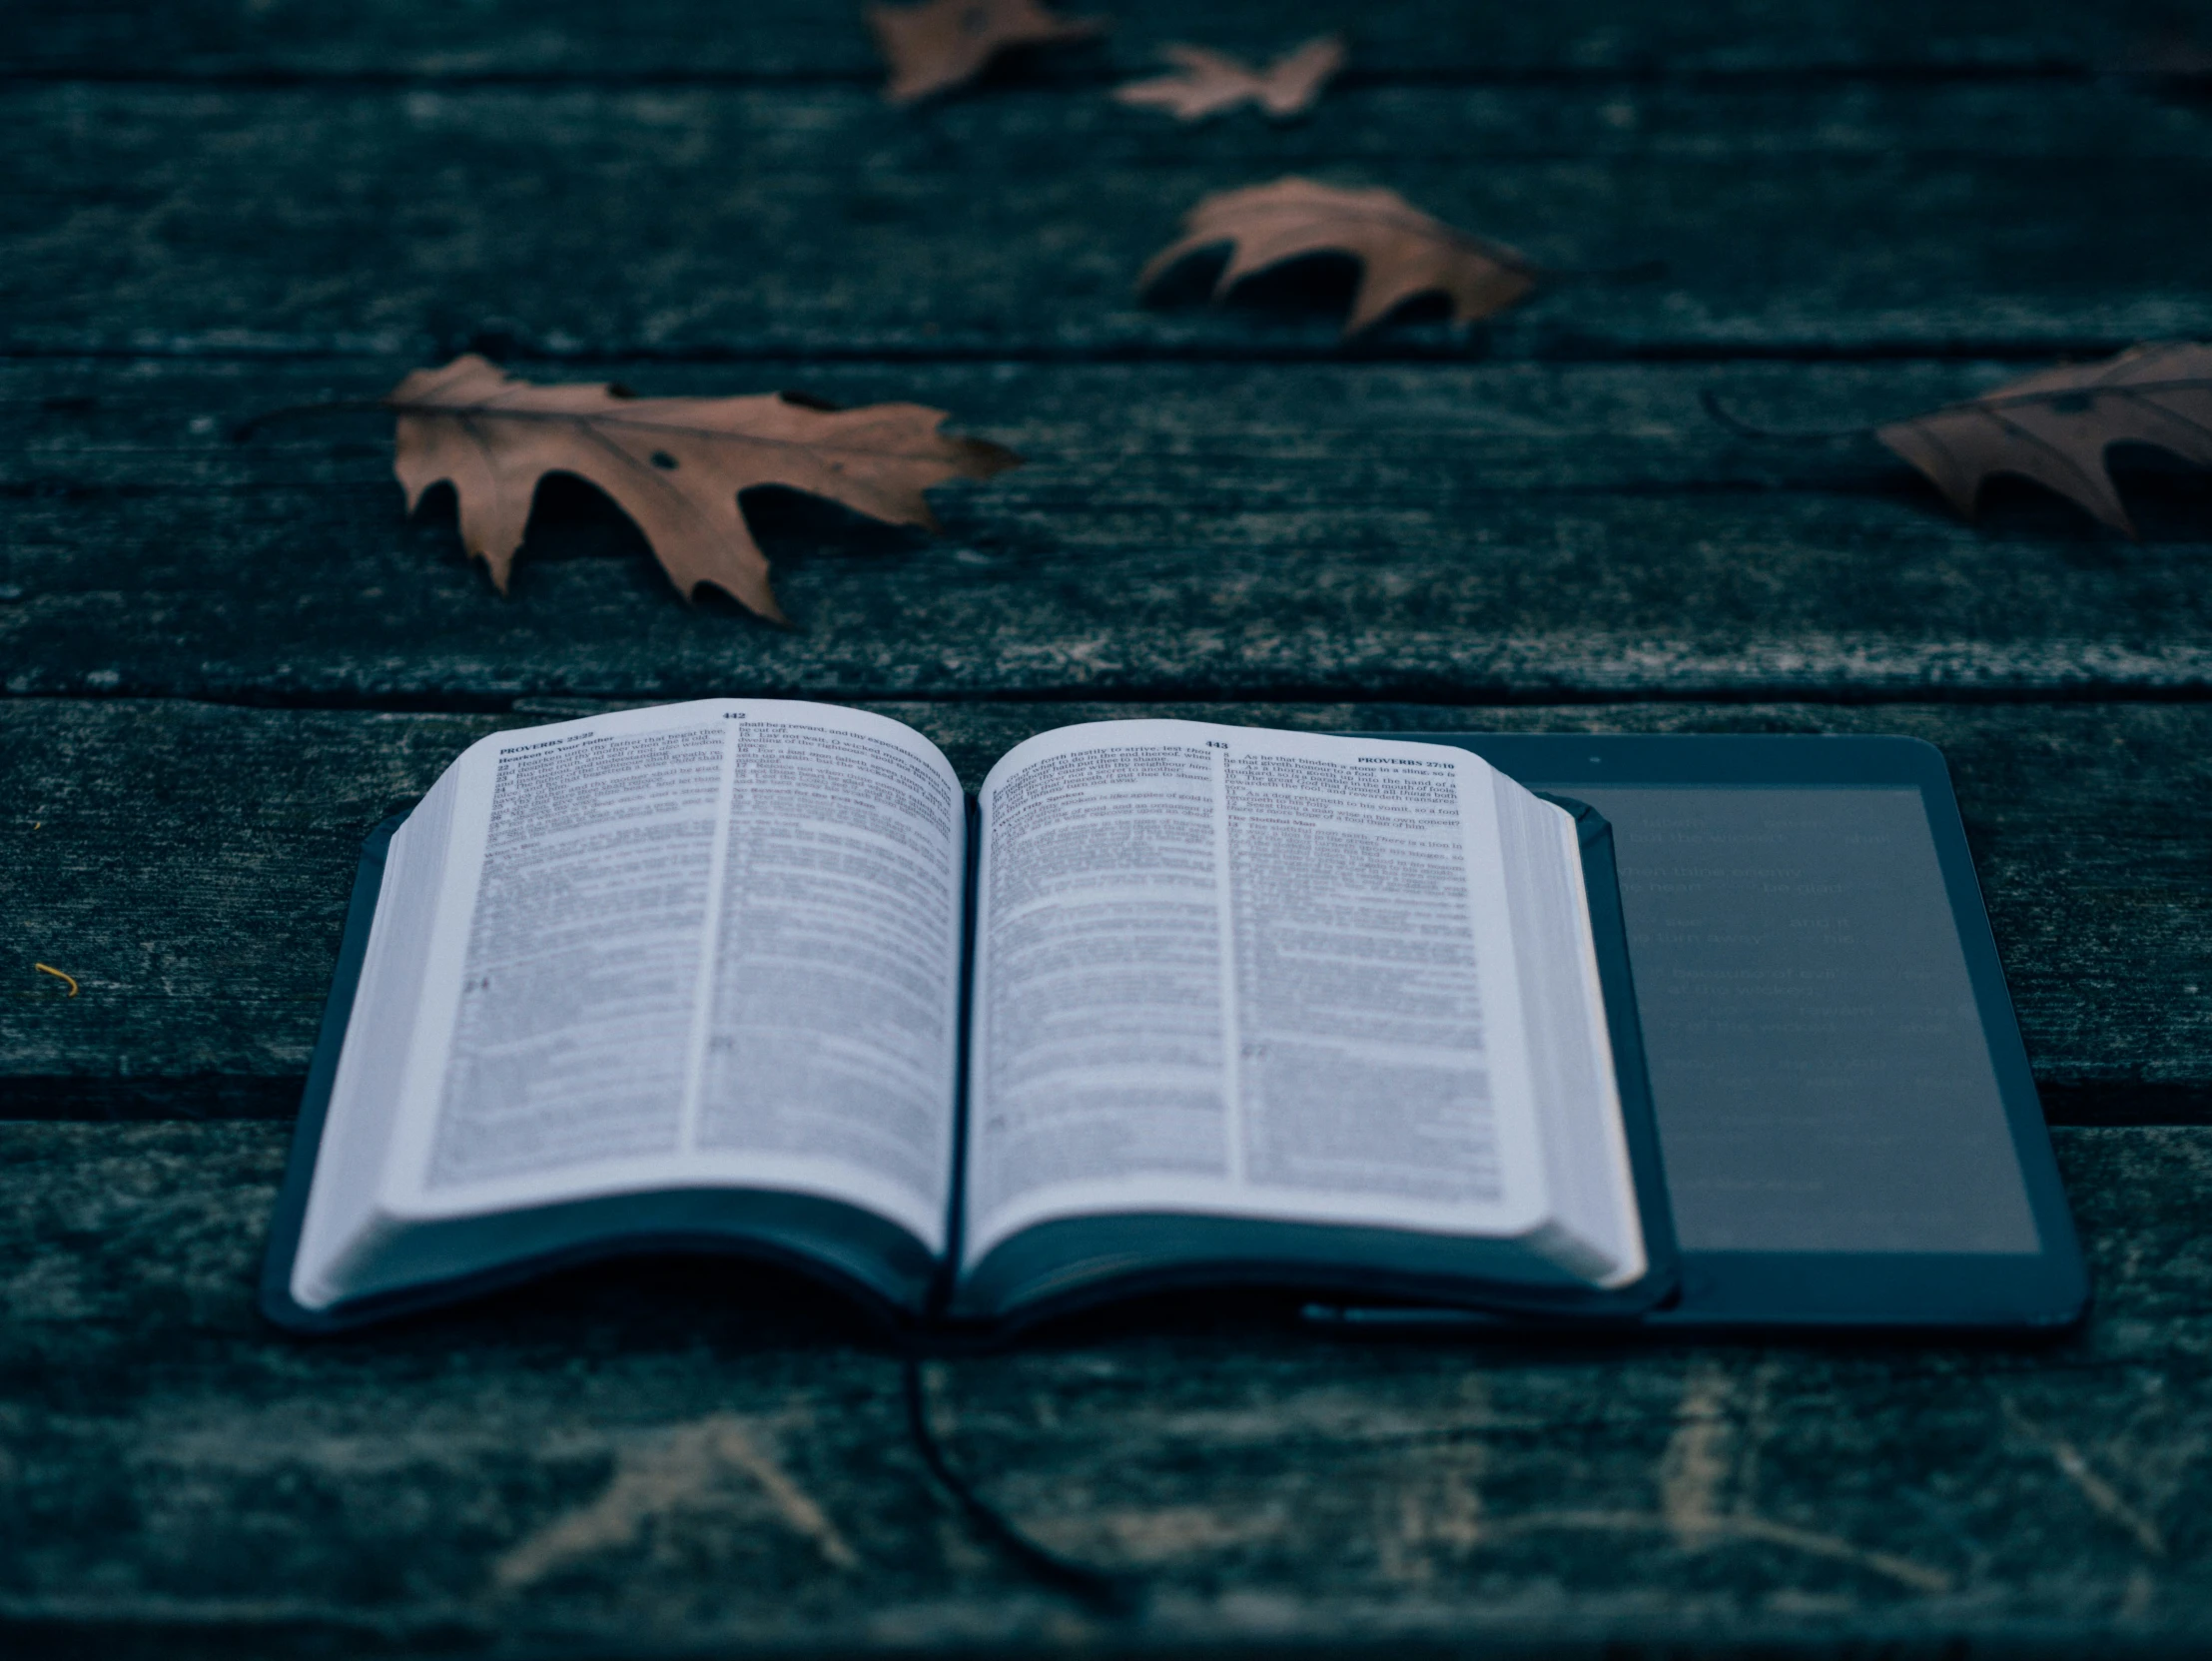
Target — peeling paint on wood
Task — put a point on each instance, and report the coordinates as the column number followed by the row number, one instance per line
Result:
column 193, row 862
column 1862, row 210
column 680, row 1452
column 1442, row 534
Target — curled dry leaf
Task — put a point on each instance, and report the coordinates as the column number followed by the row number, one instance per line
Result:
column 674, row 465
column 1213, row 83
column 1402, row 251
column 935, row 46
column 2055, row 425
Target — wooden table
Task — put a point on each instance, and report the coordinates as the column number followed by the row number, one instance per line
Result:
column 225, row 661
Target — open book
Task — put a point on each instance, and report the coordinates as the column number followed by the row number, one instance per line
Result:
column 1172, row 1002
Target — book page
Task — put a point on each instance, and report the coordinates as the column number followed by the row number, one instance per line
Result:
column 834, row 1020
column 1248, row 973
column 582, row 959
column 712, row 943
column 369, row 1080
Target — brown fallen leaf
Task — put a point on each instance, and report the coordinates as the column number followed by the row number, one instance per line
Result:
column 674, row 465
column 935, row 46
column 1402, row 251
column 2055, row 425
column 1213, row 83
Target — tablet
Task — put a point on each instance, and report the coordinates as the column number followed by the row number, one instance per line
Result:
column 1849, row 1126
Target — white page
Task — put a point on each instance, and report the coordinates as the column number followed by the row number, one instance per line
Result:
column 1179, row 989
column 834, row 1028
column 578, row 1035
column 580, row 970
column 1570, row 1050
column 358, row 1127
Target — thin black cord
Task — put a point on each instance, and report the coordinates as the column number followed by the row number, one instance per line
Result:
column 1105, row 1593
column 252, row 424
column 1743, row 429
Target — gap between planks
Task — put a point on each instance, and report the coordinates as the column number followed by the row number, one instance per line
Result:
column 568, row 703
column 1066, row 81
column 226, row 347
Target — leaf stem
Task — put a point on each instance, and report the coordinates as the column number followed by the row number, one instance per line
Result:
column 1745, row 429
column 2131, row 390
column 246, row 429
column 996, row 457
column 1636, row 271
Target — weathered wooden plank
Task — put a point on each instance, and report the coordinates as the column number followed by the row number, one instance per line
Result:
column 1216, row 531
column 812, row 218
column 189, row 866
column 663, row 1455
column 770, row 37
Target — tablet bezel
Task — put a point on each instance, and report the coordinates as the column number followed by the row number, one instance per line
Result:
column 2044, row 1290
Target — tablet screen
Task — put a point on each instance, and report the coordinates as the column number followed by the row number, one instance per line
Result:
column 1817, row 1063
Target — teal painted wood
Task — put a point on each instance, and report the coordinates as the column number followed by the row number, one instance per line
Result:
column 1480, row 532
column 1806, row 219
column 191, row 866
column 669, row 1456
column 212, row 209
column 798, row 39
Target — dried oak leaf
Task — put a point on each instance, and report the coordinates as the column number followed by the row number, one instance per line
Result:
column 934, row 46
column 1213, row 83
column 1402, row 251
column 2055, row 425
column 674, row 465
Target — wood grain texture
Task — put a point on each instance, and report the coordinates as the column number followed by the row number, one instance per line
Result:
column 216, row 206
column 191, row 864
column 1795, row 219
column 769, row 39
column 1489, row 531
column 668, row 1454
